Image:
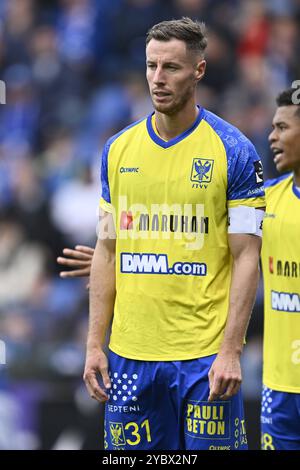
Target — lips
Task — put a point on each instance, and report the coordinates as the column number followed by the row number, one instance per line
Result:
column 161, row 94
column 276, row 151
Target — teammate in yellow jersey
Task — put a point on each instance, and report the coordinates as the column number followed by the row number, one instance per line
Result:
column 175, row 268
column 280, row 413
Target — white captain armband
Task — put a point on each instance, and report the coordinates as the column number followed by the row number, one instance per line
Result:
column 245, row 219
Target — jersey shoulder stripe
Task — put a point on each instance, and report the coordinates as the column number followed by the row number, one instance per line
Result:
column 244, row 167
column 224, row 129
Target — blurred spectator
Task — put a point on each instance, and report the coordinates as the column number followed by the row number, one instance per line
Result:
column 60, row 89
column 21, row 262
column 192, row 8
column 18, row 18
column 254, row 28
column 220, row 70
column 131, row 22
column 19, row 117
column 281, row 56
column 57, row 164
column 3, row 50
column 75, row 28
column 33, row 209
column 74, row 209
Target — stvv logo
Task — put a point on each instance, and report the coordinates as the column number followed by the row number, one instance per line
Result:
column 202, row 170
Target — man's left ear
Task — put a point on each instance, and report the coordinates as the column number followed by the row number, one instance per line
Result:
column 200, row 71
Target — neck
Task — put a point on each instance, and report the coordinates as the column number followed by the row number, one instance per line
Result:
column 297, row 177
column 170, row 126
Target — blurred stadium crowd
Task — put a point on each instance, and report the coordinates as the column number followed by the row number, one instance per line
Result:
column 74, row 75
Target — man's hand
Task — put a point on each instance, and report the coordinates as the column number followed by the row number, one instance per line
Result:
column 96, row 363
column 80, row 259
column 225, row 376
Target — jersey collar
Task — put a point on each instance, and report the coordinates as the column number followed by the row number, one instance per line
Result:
column 296, row 191
column 166, row 144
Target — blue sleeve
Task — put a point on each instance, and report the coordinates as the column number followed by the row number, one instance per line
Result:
column 104, row 174
column 245, row 183
column 245, row 172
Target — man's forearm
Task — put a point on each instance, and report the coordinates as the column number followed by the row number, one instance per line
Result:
column 102, row 295
column 243, row 289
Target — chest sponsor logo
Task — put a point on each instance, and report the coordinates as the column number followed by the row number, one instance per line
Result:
column 284, row 268
column 163, row 223
column 202, row 171
column 285, row 302
column 186, row 222
column 151, row 263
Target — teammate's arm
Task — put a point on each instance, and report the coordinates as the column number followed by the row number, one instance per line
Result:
column 102, row 299
column 225, row 374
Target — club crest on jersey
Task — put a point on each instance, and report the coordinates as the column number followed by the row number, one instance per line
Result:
column 117, row 434
column 201, row 173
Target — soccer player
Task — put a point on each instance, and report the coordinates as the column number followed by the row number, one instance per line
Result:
column 175, row 268
column 280, row 413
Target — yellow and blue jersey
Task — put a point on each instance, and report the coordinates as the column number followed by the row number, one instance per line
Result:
column 170, row 202
column 281, row 270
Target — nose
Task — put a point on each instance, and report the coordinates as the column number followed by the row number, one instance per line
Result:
column 272, row 136
column 158, row 77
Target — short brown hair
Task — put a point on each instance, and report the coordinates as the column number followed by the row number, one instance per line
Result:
column 193, row 33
